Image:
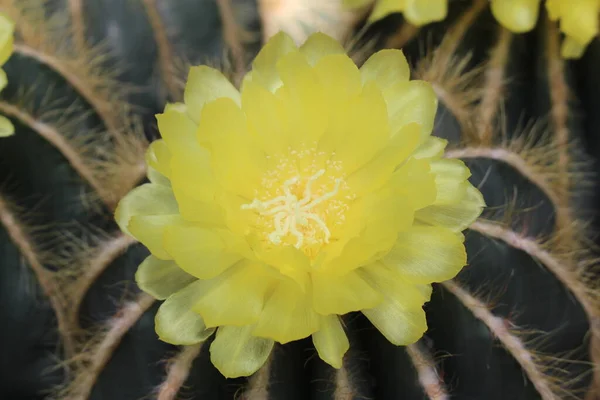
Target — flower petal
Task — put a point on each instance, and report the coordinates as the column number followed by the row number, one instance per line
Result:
column 3, row 79
column 385, row 68
column 432, row 147
column 319, row 45
column 383, row 8
column 6, row 127
column 367, row 115
column 160, row 278
column 178, row 131
column 288, row 314
column 158, row 159
column 238, row 163
column 266, row 127
column 580, row 20
column 264, row 69
column 175, row 321
column 419, row 12
column 400, row 318
column 516, row 15
column 235, row 352
column 149, row 230
column 457, row 216
column 147, row 199
column 7, row 28
column 236, row 297
column 305, row 110
column 378, row 171
column 203, row 253
column 331, row 341
column 427, row 254
column 341, row 294
column 414, row 183
column 412, row 101
column 571, row 48
column 450, row 180
column 205, row 84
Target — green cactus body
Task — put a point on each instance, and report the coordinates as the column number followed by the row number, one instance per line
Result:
column 519, row 322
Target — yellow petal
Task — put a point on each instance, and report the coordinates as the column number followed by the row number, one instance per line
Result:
column 378, row 171
column 516, row 15
column 400, row 318
column 3, row 79
column 238, row 163
column 319, row 45
column 341, row 294
column 426, row 254
column 178, row 132
column 149, row 230
column 450, row 180
column 235, row 352
column 385, row 68
column 580, row 20
column 457, row 216
column 6, row 127
column 421, row 12
column 288, row 314
column 401, row 326
column 267, row 128
column 176, row 323
column 304, row 106
column 331, row 341
column 203, row 213
column 383, row 8
column 571, row 48
column 554, row 9
column 290, row 262
column 432, row 147
column 339, row 77
column 158, row 157
column 236, row 297
column 205, row 84
column 412, row 101
column 356, row 3
column 264, row 69
column 369, row 130
column 415, row 183
column 7, row 28
column 383, row 214
column 160, row 278
column 147, row 199
column 203, row 253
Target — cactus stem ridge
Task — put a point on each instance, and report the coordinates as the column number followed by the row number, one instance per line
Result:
column 91, row 262
column 69, row 150
column 343, row 385
column 258, row 384
column 232, row 34
column 493, row 88
column 427, row 372
column 178, row 371
column 511, row 342
column 164, row 48
column 45, row 278
column 97, row 353
column 48, row 40
column 77, row 22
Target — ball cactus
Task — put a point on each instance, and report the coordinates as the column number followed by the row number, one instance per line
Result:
column 85, row 80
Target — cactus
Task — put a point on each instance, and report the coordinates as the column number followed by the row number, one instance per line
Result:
column 85, row 80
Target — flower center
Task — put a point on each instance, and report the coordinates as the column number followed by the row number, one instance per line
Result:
column 290, row 213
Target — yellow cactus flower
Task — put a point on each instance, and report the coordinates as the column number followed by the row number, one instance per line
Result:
column 518, row 16
column 6, row 49
column 313, row 192
column 417, row 12
column 578, row 20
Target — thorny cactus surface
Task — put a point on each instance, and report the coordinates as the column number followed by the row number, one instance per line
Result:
column 519, row 322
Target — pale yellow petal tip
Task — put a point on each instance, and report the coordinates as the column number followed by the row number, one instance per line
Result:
column 6, row 127
column 518, row 16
